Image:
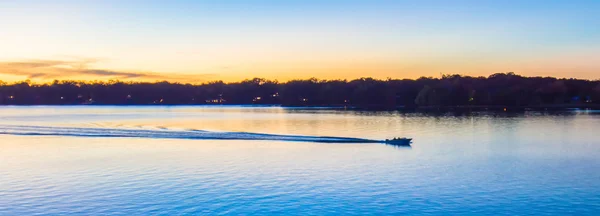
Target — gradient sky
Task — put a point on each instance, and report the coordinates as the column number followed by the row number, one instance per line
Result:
column 197, row 41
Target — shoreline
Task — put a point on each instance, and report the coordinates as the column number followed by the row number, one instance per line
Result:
column 346, row 107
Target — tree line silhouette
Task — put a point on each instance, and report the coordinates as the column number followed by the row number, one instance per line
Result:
column 497, row 90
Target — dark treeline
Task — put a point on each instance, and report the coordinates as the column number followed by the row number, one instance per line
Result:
column 502, row 89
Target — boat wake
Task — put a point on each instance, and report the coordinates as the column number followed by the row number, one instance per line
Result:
column 168, row 134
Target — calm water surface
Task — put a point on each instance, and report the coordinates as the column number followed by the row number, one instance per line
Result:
column 476, row 163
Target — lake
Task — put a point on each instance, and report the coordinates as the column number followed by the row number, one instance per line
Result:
column 541, row 163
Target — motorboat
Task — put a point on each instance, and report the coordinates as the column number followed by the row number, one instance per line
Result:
column 400, row 141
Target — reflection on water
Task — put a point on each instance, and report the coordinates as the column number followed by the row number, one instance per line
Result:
column 460, row 163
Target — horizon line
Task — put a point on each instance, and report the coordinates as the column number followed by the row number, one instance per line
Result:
column 443, row 76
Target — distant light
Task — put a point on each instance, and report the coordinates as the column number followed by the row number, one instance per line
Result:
column 215, row 101
column 345, row 101
column 128, row 96
column 12, row 97
column 504, row 109
column 304, row 99
column 161, row 100
column 62, row 98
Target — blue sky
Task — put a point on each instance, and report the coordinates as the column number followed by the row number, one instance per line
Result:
column 233, row 40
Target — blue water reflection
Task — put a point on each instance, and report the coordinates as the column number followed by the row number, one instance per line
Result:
column 466, row 163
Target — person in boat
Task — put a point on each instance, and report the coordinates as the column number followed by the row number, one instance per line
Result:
column 396, row 139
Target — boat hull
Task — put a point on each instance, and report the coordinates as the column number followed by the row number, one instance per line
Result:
column 399, row 142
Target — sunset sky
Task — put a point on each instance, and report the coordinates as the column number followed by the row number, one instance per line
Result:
column 198, row 41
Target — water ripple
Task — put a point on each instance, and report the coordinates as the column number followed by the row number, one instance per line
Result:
column 165, row 133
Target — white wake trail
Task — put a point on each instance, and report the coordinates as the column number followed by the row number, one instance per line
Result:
column 26, row 130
